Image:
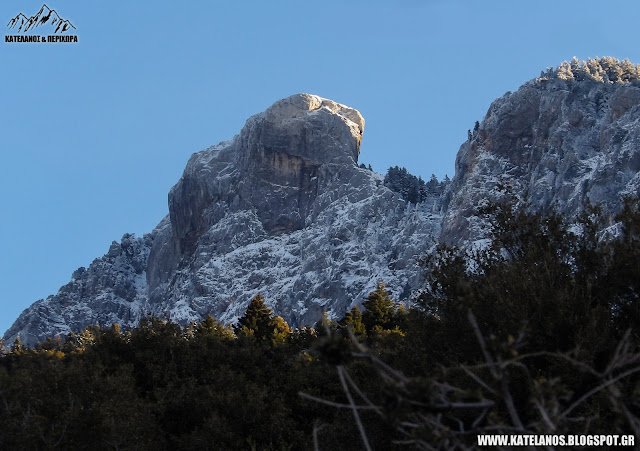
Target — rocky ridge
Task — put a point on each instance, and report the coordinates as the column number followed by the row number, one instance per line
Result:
column 554, row 144
column 283, row 210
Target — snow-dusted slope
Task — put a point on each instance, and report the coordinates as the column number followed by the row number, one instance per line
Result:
column 112, row 290
column 555, row 144
column 282, row 209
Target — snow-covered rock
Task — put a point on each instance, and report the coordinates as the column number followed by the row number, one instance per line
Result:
column 554, row 144
column 113, row 289
column 282, row 209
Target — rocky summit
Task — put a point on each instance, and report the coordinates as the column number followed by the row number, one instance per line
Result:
column 283, row 209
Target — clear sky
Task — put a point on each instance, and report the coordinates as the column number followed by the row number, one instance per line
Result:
column 95, row 133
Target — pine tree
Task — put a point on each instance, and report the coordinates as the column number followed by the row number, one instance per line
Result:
column 407, row 185
column 353, row 319
column 380, row 309
column 433, row 185
column 211, row 327
column 611, row 67
column 257, row 320
column 595, row 70
column 628, row 71
column 575, row 68
column 580, row 70
column 564, row 71
column 281, row 330
column 18, row 347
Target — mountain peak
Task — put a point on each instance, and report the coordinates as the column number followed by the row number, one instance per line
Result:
column 279, row 160
column 292, row 106
column 281, row 210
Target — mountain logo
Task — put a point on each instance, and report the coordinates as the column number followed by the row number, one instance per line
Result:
column 46, row 17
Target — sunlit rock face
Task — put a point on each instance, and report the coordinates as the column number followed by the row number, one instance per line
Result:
column 282, row 209
column 275, row 167
column 554, row 144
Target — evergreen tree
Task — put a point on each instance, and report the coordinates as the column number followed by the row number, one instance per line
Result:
column 211, row 327
column 353, row 319
column 18, row 347
column 595, row 70
column 281, row 330
column 433, row 185
column 581, row 72
column 380, row 309
column 260, row 322
column 575, row 68
column 564, row 71
column 629, row 72
column 407, row 185
column 611, row 67
column 257, row 320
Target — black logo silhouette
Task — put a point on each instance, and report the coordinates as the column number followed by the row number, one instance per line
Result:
column 46, row 15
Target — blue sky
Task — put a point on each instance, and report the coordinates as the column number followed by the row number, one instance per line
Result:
column 95, row 133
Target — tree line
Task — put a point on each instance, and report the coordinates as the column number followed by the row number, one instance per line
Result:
column 411, row 188
column 603, row 70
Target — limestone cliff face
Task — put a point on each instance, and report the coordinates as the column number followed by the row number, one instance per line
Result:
column 281, row 209
column 555, row 144
column 275, row 167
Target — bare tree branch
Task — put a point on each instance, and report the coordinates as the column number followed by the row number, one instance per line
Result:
column 356, row 415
